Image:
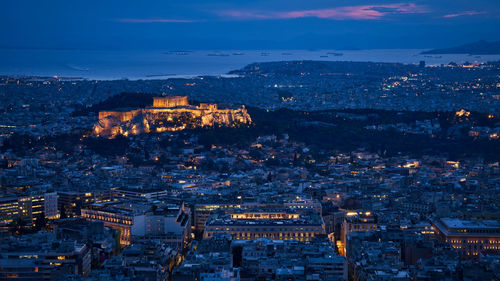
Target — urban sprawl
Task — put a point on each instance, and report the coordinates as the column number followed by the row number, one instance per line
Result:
column 128, row 180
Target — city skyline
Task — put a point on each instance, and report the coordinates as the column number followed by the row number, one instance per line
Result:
column 211, row 140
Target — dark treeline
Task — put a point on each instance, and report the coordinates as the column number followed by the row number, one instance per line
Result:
column 321, row 130
column 123, row 100
column 67, row 143
column 347, row 135
column 120, row 101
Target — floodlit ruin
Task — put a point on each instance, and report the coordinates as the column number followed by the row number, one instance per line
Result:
column 171, row 113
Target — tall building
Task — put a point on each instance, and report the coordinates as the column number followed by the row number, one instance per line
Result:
column 353, row 222
column 9, row 210
column 70, row 203
column 50, row 208
column 27, row 208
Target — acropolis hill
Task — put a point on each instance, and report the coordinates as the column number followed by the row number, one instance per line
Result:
column 171, row 113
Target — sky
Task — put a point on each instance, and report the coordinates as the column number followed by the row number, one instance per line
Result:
column 244, row 25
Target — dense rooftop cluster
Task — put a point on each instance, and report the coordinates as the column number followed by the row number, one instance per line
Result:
column 297, row 195
column 41, row 105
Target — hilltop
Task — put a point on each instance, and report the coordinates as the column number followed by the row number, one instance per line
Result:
column 477, row 48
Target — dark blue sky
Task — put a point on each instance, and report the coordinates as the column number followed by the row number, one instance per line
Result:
column 261, row 24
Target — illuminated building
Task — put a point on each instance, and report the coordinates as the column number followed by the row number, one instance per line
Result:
column 137, row 220
column 171, row 113
column 116, row 220
column 27, row 208
column 333, row 218
column 353, row 222
column 71, row 202
column 203, row 211
column 9, row 210
column 282, row 224
column 37, row 207
column 469, row 237
column 462, row 112
column 43, row 257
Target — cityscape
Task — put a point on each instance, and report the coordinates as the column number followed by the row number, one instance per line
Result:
column 306, row 168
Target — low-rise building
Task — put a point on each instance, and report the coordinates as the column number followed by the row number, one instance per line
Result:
column 283, row 224
column 143, row 220
column 469, row 237
column 40, row 256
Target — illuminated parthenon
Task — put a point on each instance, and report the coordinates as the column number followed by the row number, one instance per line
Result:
column 171, row 101
column 171, row 113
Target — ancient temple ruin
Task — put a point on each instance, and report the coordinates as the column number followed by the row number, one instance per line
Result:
column 170, row 113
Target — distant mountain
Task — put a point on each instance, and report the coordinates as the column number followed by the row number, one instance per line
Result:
column 477, row 48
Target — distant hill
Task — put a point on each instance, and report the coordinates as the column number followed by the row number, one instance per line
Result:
column 477, row 48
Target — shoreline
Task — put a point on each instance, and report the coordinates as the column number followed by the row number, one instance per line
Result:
column 155, row 64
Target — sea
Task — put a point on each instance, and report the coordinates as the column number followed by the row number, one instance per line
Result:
column 161, row 64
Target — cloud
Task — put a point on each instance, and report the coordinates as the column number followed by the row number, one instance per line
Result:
column 157, row 20
column 466, row 13
column 361, row 12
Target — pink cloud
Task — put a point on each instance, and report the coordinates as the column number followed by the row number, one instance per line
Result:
column 160, row 20
column 362, row 12
column 467, row 13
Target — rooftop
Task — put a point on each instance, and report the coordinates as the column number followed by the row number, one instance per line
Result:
column 470, row 224
column 306, row 218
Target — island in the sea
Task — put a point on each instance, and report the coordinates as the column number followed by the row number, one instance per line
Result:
column 477, row 48
column 172, row 113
